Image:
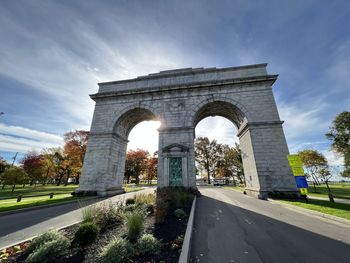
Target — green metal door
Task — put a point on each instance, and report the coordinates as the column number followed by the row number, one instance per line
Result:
column 175, row 171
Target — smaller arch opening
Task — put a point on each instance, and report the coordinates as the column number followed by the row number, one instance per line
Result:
column 222, row 109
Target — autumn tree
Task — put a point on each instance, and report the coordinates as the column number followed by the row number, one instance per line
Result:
column 208, row 155
column 62, row 166
column 151, row 168
column 314, row 162
column 14, row 175
column 232, row 163
column 339, row 134
column 49, row 163
column 325, row 176
column 74, row 151
column 32, row 164
column 136, row 164
column 3, row 166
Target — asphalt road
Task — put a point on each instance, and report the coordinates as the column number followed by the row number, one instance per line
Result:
column 24, row 225
column 232, row 227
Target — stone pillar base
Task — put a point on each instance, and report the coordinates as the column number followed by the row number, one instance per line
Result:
column 101, row 193
column 277, row 193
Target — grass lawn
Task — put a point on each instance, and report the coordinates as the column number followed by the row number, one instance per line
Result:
column 37, row 190
column 341, row 190
column 11, row 204
column 132, row 189
column 326, row 207
column 62, row 194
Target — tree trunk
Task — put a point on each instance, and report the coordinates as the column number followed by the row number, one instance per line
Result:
column 13, row 188
column 208, row 175
column 77, row 178
column 329, row 190
column 3, row 187
column 68, row 175
column 315, row 182
column 59, row 179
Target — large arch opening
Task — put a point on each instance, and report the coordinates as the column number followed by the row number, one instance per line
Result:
column 136, row 158
column 217, row 153
column 142, row 155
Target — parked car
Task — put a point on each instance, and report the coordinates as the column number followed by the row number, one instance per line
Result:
column 219, row 182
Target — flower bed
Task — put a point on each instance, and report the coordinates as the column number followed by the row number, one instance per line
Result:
column 146, row 228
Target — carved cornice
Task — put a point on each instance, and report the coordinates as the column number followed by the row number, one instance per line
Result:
column 168, row 148
column 258, row 125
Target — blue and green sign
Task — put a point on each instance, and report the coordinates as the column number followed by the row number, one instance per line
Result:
column 296, row 165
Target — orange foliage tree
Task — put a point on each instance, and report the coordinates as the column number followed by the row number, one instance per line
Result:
column 136, row 164
column 74, row 152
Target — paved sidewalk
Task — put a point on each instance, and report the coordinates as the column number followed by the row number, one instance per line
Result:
column 17, row 227
column 336, row 200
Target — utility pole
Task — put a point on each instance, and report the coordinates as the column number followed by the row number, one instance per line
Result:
column 14, row 158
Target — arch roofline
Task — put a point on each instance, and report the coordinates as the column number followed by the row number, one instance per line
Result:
column 182, row 72
column 186, row 77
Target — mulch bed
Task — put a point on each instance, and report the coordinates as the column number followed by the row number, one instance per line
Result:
column 170, row 233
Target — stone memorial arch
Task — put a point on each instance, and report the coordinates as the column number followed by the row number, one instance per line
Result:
column 179, row 99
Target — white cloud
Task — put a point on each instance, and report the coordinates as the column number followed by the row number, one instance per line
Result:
column 52, row 63
column 218, row 128
column 20, row 139
column 333, row 158
column 301, row 121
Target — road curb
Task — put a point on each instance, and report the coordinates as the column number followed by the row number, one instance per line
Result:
column 186, row 246
column 312, row 212
column 44, row 206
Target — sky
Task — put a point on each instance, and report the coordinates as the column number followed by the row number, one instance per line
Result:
column 53, row 54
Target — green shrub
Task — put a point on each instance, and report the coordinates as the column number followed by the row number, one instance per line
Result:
column 130, row 208
column 117, row 251
column 129, row 201
column 177, row 243
column 88, row 213
column 162, row 207
column 42, row 239
column 181, row 198
column 109, row 215
column 49, row 251
column 180, row 213
column 86, row 234
column 149, row 209
column 148, row 244
column 134, row 222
